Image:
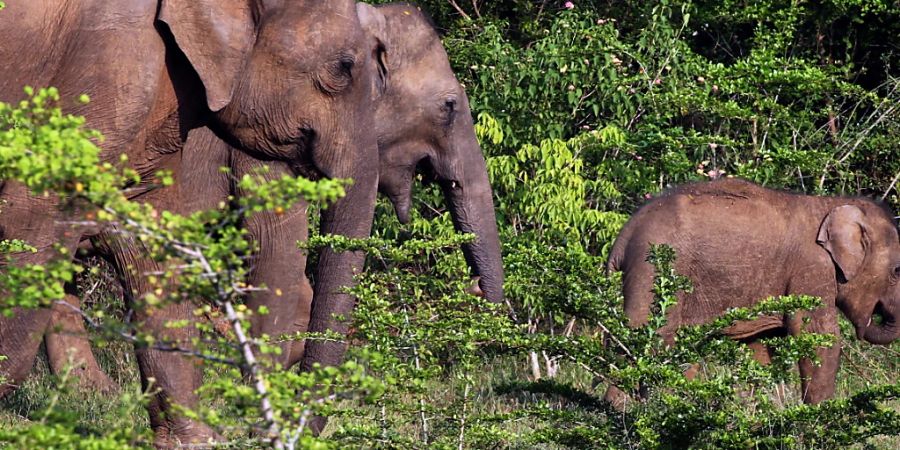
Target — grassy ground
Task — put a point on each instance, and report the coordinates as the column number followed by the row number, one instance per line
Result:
column 862, row 365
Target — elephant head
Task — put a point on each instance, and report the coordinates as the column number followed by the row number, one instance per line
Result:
column 424, row 123
column 281, row 77
column 865, row 248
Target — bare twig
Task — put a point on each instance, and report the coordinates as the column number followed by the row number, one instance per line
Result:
column 462, row 421
column 551, row 363
column 250, row 362
column 615, row 339
column 874, row 119
column 459, row 10
column 866, row 132
column 541, row 11
column 893, row 183
column 415, row 349
column 535, row 365
column 533, row 360
column 570, row 327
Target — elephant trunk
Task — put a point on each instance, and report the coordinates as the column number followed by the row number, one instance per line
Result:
column 885, row 332
column 470, row 200
column 351, row 217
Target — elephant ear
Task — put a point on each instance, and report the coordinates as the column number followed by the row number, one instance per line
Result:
column 843, row 235
column 217, row 37
column 375, row 25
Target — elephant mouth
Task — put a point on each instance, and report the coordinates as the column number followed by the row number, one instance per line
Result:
column 302, row 163
column 881, row 316
column 425, row 169
column 429, row 175
column 400, row 192
column 881, row 328
column 475, row 287
column 306, row 169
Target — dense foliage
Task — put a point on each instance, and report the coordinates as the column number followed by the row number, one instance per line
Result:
column 584, row 109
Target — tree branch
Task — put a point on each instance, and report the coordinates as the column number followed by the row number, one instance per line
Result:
column 459, row 10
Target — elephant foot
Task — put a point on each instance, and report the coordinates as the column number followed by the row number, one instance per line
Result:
column 95, row 381
column 86, row 375
column 187, row 434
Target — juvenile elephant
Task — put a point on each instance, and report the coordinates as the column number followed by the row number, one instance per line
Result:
column 422, row 121
column 280, row 79
column 740, row 243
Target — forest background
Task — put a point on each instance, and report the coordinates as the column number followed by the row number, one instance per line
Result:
column 584, row 110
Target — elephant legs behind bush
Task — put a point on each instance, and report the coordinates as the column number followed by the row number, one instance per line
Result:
column 817, row 381
column 36, row 221
column 171, row 377
column 69, row 349
column 20, row 339
column 279, row 265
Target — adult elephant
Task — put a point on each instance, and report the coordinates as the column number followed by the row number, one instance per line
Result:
column 423, row 121
column 740, row 243
column 275, row 78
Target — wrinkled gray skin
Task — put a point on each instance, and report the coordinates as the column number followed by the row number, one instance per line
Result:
column 740, row 243
column 280, row 79
column 423, row 119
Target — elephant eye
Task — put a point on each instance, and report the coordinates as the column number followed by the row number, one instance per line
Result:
column 449, row 110
column 337, row 76
column 896, row 271
column 345, row 66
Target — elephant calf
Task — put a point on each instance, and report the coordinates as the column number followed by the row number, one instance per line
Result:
column 740, row 243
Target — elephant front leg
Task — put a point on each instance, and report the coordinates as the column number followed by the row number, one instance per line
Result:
column 818, row 381
column 171, row 377
column 280, row 266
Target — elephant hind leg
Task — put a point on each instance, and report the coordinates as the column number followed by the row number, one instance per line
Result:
column 761, row 352
column 20, row 340
column 616, row 397
column 170, row 377
column 637, row 288
column 68, row 347
column 37, row 221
